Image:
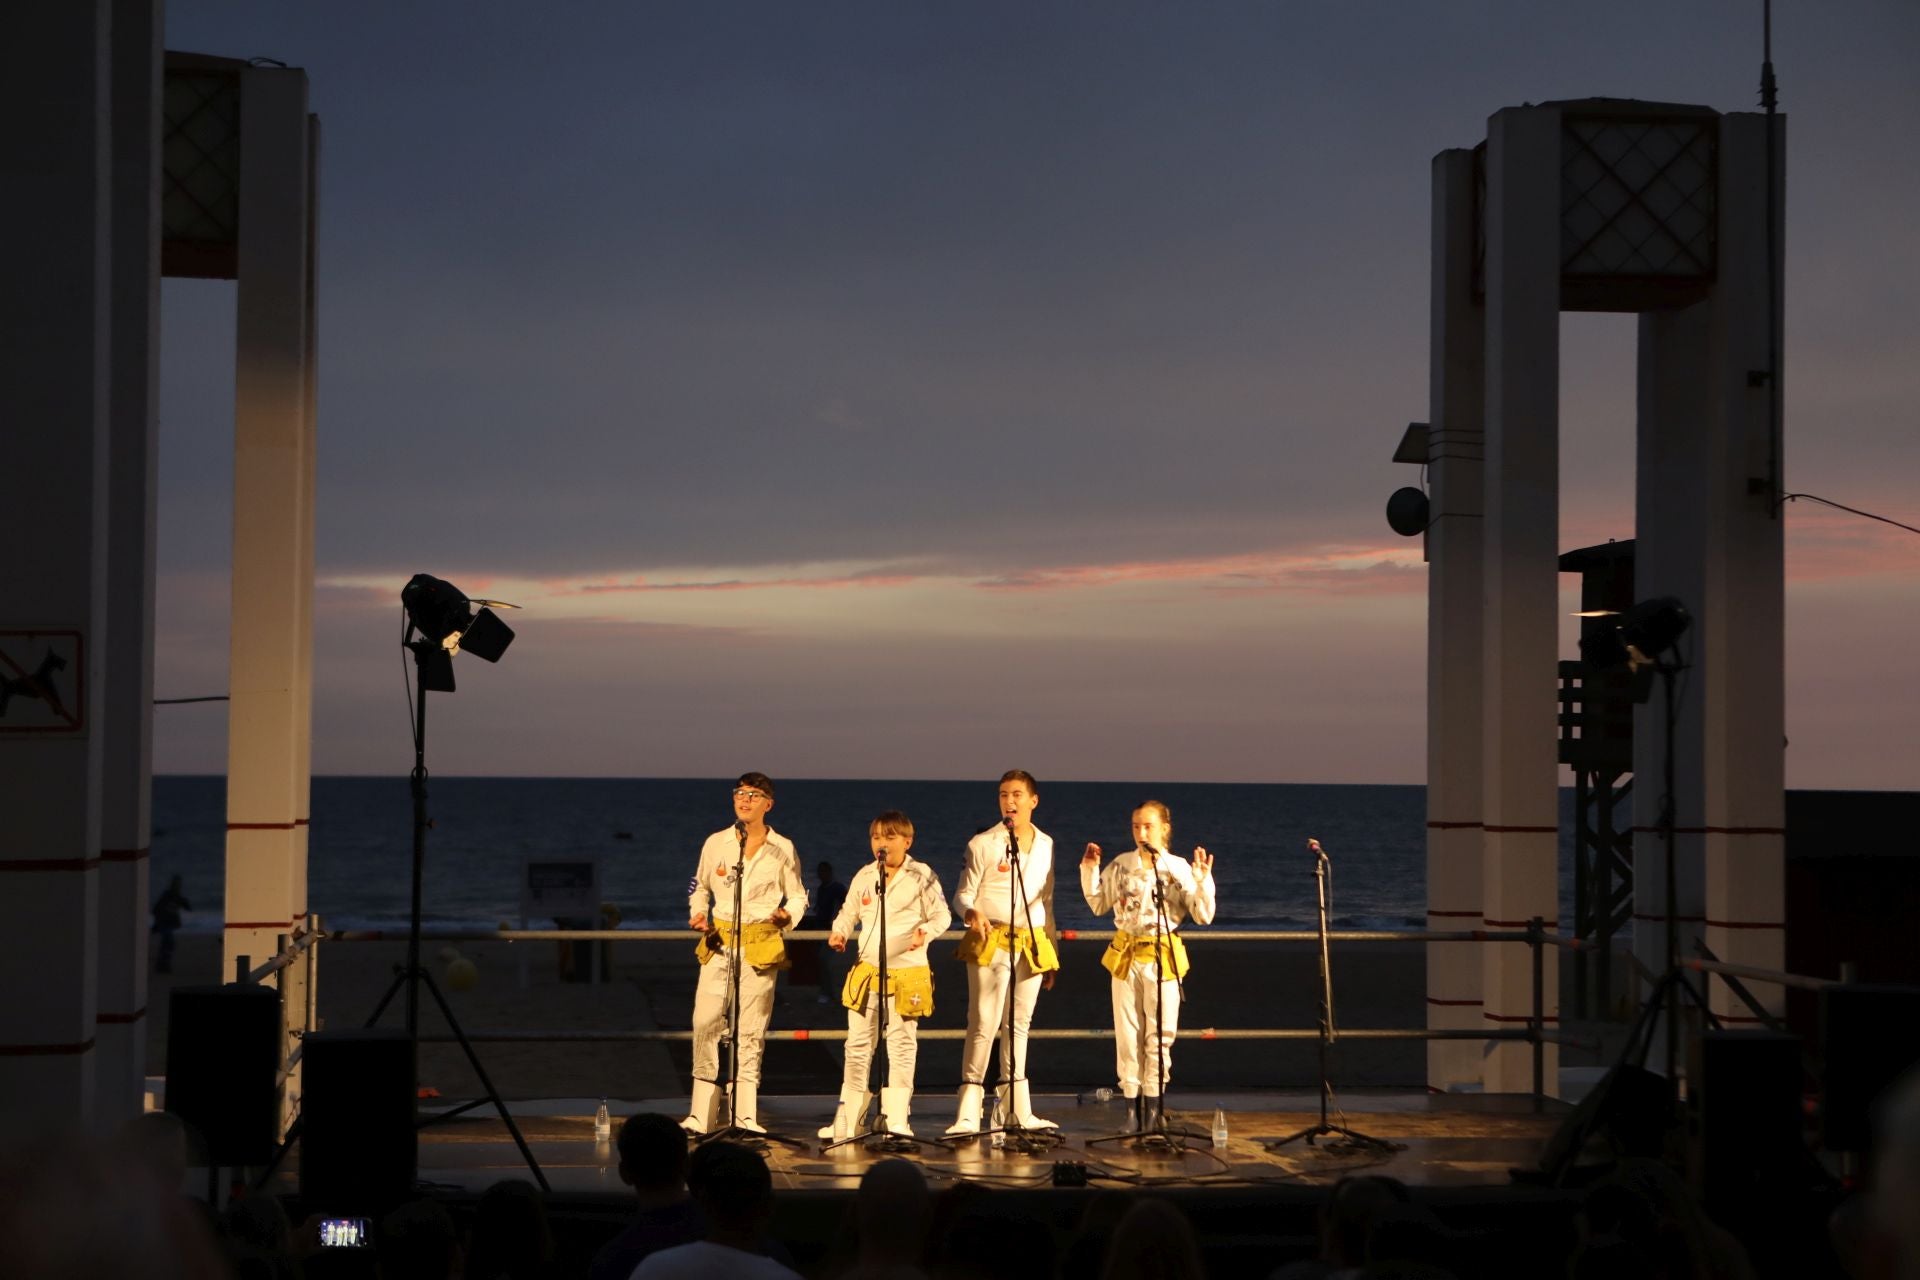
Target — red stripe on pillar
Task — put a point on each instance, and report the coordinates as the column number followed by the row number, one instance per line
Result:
column 49, row 864
column 262, row 826
column 117, row 1018
column 1455, row 915
column 1450, row 826
column 1509, row 1017
column 122, row 855
column 45, row 1050
column 1522, row 924
column 1538, row 831
column 1680, row 919
column 1743, row 924
column 1437, row 1000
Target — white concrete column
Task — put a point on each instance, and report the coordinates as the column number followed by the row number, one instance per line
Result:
column 126, row 701
column 54, row 336
column 1456, row 402
column 1671, row 520
column 1519, row 627
column 1741, row 646
column 272, row 517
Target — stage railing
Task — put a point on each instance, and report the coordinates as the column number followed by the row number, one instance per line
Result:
column 1535, row 1033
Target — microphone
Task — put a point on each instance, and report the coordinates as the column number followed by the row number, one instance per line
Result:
column 740, row 826
column 1007, row 822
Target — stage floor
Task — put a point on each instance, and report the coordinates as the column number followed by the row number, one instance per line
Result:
column 1444, row 1140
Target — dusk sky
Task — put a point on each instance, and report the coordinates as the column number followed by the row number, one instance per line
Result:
column 914, row 390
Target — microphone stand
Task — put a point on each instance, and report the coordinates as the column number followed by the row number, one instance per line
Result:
column 1322, row 873
column 1156, row 1135
column 1014, row 1135
column 878, row 1136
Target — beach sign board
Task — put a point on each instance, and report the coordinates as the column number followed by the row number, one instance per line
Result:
column 559, row 888
column 42, row 682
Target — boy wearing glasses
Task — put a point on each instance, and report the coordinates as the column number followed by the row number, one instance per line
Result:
column 772, row 897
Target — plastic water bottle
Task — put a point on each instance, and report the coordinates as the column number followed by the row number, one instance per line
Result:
column 1219, row 1128
column 602, row 1123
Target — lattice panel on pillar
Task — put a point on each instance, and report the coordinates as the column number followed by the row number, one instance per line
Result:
column 1638, row 206
column 200, row 191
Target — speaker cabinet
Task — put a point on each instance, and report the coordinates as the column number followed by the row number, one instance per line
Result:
column 1869, row 1038
column 223, row 1067
column 1746, row 1124
column 357, row 1148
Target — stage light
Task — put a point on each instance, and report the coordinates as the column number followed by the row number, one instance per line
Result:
column 444, row 617
column 1636, row 638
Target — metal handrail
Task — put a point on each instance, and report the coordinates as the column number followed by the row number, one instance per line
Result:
column 1777, row 977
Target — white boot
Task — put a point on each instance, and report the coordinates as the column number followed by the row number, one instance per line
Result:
column 705, row 1108
column 850, row 1117
column 895, row 1105
column 746, row 1106
column 1023, row 1108
column 967, row 1119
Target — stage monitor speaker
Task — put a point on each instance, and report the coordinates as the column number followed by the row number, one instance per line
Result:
column 223, row 1069
column 357, row 1150
column 1869, row 1038
column 1746, row 1125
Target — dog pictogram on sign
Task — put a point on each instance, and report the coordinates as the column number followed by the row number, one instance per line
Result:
column 42, row 682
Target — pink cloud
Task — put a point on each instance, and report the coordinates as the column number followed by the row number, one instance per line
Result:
column 1338, row 571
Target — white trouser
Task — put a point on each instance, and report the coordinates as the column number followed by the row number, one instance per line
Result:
column 903, row 1046
column 710, row 1017
column 986, row 1008
column 1140, row 1058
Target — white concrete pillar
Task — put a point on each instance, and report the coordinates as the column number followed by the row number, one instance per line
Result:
column 1520, row 628
column 54, row 336
column 1456, row 402
column 126, row 701
column 272, row 518
column 1741, row 646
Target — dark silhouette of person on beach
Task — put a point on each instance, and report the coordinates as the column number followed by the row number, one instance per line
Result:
column 166, row 919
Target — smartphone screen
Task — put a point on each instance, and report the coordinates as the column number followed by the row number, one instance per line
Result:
column 345, row 1233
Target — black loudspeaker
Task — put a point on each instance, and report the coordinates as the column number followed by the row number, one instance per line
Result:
column 223, row 1068
column 1869, row 1038
column 1746, row 1127
column 1626, row 1114
column 357, row 1149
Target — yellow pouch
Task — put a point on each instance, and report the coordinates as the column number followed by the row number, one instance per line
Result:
column 1129, row 949
column 1036, row 946
column 766, row 946
column 912, row 989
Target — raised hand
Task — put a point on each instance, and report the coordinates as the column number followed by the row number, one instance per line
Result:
column 1091, row 858
column 1202, row 862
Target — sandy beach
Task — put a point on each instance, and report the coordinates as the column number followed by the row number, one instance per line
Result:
column 1233, row 984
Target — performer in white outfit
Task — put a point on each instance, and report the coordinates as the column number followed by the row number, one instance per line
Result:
column 773, row 897
column 1143, row 1059
column 916, row 913
column 1006, row 944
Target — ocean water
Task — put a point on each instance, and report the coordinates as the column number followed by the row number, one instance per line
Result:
column 647, row 832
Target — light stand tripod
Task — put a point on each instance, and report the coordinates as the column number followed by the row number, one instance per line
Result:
column 1014, row 1136
column 736, row 958
column 426, row 652
column 1154, row 1134
column 1322, row 873
column 880, row 1135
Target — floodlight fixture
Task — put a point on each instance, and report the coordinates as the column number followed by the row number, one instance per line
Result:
column 1637, row 637
column 445, row 618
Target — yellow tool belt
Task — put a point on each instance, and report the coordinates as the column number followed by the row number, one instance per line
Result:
column 1129, row 949
column 766, row 946
column 912, row 988
column 1035, row 945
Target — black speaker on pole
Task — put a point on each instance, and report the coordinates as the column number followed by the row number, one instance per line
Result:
column 1746, row 1124
column 223, row 1069
column 357, row 1151
column 1869, row 1038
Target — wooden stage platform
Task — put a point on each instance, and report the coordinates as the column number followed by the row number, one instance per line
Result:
column 1454, row 1140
